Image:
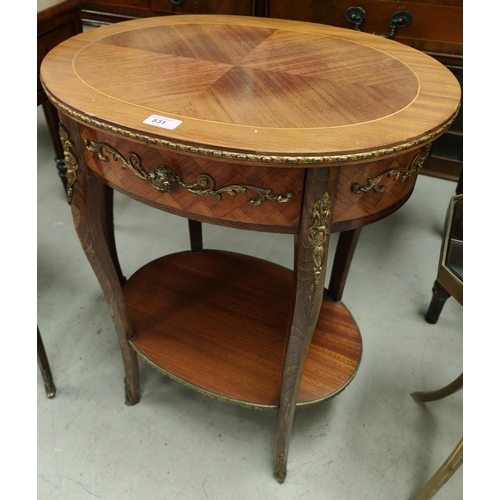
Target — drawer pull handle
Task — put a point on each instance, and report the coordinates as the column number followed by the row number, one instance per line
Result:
column 397, row 173
column 400, row 19
column 177, row 2
column 355, row 15
column 163, row 178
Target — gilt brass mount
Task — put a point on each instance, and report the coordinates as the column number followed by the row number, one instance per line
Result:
column 319, row 233
column 397, row 173
column 163, row 178
column 69, row 160
column 50, row 388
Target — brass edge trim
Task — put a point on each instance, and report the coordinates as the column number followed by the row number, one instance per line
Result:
column 164, row 178
column 319, row 233
column 225, row 399
column 398, row 173
column 237, row 402
column 69, row 160
column 316, row 402
column 237, row 156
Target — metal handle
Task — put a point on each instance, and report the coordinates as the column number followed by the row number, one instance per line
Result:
column 355, row 15
column 177, row 2
column 400, row 19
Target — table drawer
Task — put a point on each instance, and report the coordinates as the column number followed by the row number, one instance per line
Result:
column 371, row 191
column 261, row 198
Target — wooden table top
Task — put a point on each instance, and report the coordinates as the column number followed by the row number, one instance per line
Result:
column 253, row 88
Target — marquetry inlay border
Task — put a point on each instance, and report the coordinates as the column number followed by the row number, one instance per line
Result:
column 256, row 158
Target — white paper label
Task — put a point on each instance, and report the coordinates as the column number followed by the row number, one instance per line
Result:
column 163, row 122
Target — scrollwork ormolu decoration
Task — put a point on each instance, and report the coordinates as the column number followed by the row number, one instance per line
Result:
column 397, row 173
column 319, row 233
column 163, row 178
column 69, row 160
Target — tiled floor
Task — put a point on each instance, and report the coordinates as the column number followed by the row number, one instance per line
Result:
column 371, row 442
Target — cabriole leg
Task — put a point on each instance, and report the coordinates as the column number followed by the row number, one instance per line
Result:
column 90, row 200
column 311, row 251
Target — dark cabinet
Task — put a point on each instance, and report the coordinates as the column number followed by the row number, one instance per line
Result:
column 57, row 20
column 436, row 25
column 111, row 11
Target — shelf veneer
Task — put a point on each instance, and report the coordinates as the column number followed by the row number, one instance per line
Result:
column 217, row 321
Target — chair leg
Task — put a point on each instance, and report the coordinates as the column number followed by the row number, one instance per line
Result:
column 443, row 474
column 43, row 363
column 455, row 386
column 90, row 202
column 439, row 297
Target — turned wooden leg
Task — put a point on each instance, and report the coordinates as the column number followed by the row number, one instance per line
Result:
column 455, row 386
column 43, row 364
column 195, row 236
column 89, row 200
column 439, row 297
column 311, row 251
column 443, row 474
column 344, row 253
column 52, row 119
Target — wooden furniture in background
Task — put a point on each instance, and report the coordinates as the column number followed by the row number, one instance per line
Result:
column 449, row 281
column 455, row 459
column 436, row 28
column 267, row 125
column 98, row 12
column 57, row 20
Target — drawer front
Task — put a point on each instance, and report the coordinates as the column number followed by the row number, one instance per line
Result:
column 371, row 191
column 242, row 8
column 262, row 198
column 436, row 25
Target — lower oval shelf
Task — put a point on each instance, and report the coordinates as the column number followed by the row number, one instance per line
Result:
column 217, row 321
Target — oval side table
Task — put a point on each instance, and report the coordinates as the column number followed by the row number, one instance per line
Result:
column 256, row 124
